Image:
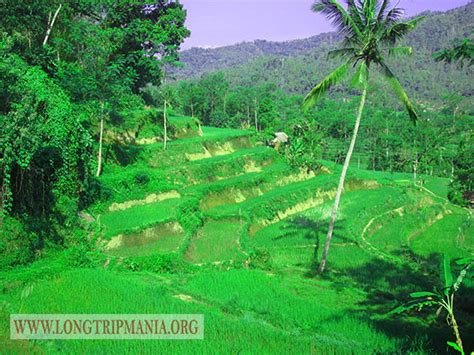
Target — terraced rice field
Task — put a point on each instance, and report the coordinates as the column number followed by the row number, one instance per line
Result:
column 223, row 226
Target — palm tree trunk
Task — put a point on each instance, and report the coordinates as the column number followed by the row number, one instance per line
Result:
column 340, row 187
column 101, row 135
column 165, row 137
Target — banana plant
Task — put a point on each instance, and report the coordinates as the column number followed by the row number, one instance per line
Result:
column 442, row 298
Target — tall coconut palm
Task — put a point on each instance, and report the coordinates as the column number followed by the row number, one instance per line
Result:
column 371, row 30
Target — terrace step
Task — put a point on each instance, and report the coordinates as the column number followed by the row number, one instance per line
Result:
column 159, row 239
column 247, row 186
column 221, row 167
column 139, row 217
column 183, row 150
column 216, row 241
column 282, row 202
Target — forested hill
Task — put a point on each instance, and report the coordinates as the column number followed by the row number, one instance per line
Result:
column 199, row 60
column 437, row 31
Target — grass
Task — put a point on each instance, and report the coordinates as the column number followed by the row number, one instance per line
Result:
column 459, row 233
column 161, row 239
column 225, row 331
column 217, row 241
column 245, row 311
column 139, row 217
column 255, row 228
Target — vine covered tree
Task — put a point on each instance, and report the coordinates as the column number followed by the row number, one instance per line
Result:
column 371, row 30
column 44, row 150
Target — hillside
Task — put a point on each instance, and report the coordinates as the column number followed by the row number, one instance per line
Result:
column 436, row 32
column 223, row 226
column 198, row 60
column 340, row 224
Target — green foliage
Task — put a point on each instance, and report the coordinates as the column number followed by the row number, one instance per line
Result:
column 319, row 90
column 305, row 145
column 399, row 91
column 120, row 41
column 17, row 244
column 462, row 52
column 461, row 188
column 190, row 216
column 260, row 258
column 444, row 297
column 41, row 139
column 370, row 31
column 82, row 251
column 161, row 264
column 251, row 280
column 251, row 223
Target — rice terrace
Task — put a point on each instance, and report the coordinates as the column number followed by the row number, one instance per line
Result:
column 303, row 196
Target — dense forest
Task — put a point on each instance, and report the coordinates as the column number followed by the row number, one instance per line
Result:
column 138, row 178
column 68, row 69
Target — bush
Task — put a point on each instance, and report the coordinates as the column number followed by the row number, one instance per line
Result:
column 17, row 245
column 166, row 263
column 260, row 259
column 82, row 256
column 94, row 191
column 82, row 251
column 141, row 178
column 190, row 215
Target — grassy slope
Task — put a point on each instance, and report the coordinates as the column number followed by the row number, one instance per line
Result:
column 384, row 247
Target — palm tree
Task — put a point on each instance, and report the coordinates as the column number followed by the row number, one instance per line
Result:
column 371, row 30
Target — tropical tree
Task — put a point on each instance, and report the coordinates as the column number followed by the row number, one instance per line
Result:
column 371, row 30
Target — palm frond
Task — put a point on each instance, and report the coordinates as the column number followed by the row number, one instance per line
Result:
column 345, row 52
column 398, row 30
column 355, row 12
column 369, row 10
column 361, row 76
column 399, row 91
column 382, row 10
column 338, row 15
column 463, row 52
column 319, row 90
column 400, row 51
column 394, row 15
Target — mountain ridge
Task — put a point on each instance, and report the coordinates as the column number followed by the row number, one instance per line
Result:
column 198, row 60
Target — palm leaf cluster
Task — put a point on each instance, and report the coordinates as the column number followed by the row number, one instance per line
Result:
column 371, row 30
column 461, row 53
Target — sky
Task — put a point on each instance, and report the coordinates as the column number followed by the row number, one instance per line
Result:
column 215, row 23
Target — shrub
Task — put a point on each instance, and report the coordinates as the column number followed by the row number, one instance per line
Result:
column 141, row 178
column 17, row 245
column 260, row 259
column 165, row 263
column 82, row 251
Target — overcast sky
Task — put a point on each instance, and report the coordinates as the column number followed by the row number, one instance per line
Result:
column 221, row 22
